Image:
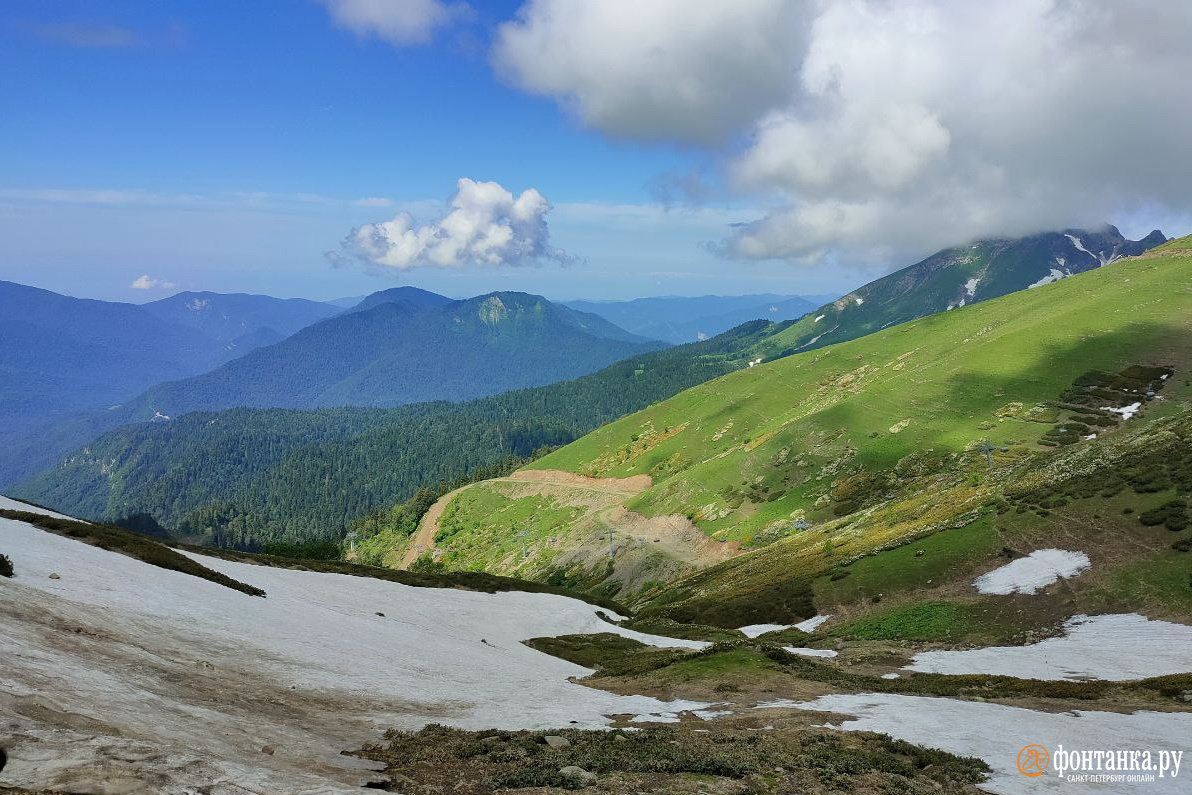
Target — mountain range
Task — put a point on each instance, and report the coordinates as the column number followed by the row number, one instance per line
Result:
column 365, row 460
column 396, row 350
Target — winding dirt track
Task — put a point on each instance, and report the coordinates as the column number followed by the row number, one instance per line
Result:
column 423, row 539
column 674, row 535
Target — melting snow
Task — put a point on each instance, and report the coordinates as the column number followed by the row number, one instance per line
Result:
column 818, row 319
column 1054, row 276
column 16, row 505
column 970, row 287
column 805, row 652
column 809, row 625
column 1127, row 411
column 996, row 733
column 858, row 300
column 812, row 624
column 345, row 658
column 1037, row 570
column 1112, row 647
column 1079, row 246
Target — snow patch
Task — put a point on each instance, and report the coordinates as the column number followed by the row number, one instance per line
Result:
column 1101, row 647
column 1054, row 276
column 1037, row 570
column 809, row 625
column 803, row 651
column 16, row 505
column 858, row 300
column 970, row 287
column 813, row 623
column 1127, row 412
column 818, row 319
column 996, row 733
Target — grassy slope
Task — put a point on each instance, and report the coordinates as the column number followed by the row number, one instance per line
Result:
column 817, row 435
column 947, row 374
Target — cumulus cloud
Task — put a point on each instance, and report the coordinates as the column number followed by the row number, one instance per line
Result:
column 147, row 282
column 661, row 70
column 876, row 128
column 395, row 21
column 487, row 225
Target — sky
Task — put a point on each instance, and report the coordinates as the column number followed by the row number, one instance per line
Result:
column 612, row 149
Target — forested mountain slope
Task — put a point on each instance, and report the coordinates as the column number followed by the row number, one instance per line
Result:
column 248, row 476
column 396, row 353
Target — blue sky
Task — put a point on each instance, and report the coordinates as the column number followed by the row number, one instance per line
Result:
column 229, row 145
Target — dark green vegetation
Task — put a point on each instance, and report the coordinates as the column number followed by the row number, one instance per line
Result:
column 5, row 566
column 668, row 760
column 607, row 653
column 116, row 539
column 246, row 477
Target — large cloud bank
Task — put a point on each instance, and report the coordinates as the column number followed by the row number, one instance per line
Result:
column 487, row 225
column 871, row 125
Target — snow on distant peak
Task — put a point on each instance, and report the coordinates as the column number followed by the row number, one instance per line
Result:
column 859, row 300
column 198, row 304
column 1079, row 246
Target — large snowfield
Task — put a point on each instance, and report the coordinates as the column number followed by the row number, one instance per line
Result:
column 120, row 677
column 141, row 677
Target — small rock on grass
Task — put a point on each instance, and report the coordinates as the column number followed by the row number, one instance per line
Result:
column 578, row 775
column 555, row 741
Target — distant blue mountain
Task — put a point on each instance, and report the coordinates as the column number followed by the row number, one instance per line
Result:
column 237, row 316
column 679, row 319
column 404, row 346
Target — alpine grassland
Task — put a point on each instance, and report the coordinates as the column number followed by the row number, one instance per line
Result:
column 868, row 477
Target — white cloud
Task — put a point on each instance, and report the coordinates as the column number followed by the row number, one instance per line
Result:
column 373, row 201
column 396, row 21
column 877, row 128
column 147, row 282
column 487, row 225
column 663, row 69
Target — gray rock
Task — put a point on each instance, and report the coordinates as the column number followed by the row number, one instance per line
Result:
column 555, row 741
column 578, row 775
column 55, row 576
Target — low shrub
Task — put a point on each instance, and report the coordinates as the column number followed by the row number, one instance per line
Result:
column 5, row 566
